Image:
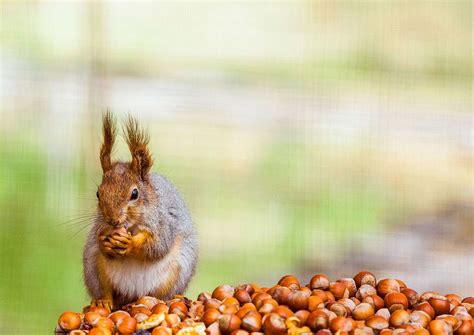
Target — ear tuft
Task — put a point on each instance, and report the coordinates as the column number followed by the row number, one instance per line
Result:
column 109, row 131
column 137, row 140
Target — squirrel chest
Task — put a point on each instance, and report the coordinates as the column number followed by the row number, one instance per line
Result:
column 131, row 277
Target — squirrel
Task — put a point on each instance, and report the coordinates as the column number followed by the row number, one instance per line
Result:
column 143, row 241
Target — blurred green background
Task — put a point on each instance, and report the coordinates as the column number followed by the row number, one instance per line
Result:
column 305, row 137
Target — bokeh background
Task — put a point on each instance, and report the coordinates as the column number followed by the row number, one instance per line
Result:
column 306, row 137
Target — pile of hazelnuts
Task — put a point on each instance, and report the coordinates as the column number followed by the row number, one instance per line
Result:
column 360, row 305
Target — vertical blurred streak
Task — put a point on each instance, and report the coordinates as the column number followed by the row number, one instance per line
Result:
column 94, row 31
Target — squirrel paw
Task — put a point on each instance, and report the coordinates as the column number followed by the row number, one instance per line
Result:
column 119, row 244
column 105, row 303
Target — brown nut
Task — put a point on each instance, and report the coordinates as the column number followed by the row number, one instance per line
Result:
column 302, row 315
column 365, row 290
column 92, row 318
column 297, row 300
column 69, row 321
column 242, row 296
column 350, row 284
column 412, row 296
column 290, row 281
column 315, row 302
column 363, row 311
column 395, row 300
column 439, row 327
column 222, row 292
column 160, row 330
column 210, row 316
column 339, row 290
column 245, row 309
column 148, row 301
column 376, row 301
column 127, row 325
column 440, row 304
column 465, row 328
column 274, row 324
column 228, row 323
column 399, row 317
column 425, row 307
column 377, row 322
column 160, row 308
column 420, row 317
column 252, row 321
column 280, row 294
column 385, row 286
column 341, row 324
column 319, row 281
column 365, row 278
column 317, row 319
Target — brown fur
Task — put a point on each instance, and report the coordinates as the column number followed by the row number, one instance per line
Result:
column 159, row 240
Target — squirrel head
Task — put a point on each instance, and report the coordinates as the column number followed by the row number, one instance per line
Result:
column 125, row 186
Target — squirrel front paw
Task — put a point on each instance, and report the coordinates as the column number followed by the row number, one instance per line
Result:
column 117, row 244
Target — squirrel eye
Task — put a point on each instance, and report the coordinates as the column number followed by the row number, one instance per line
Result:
column 134, row 195
column 97, row 194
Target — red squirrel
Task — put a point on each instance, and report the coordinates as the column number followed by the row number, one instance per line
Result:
column 143, row 241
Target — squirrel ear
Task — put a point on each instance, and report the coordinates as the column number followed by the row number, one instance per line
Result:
column 109, row 131
column 138, row 140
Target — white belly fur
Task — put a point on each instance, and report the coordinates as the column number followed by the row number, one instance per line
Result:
column 133, row 278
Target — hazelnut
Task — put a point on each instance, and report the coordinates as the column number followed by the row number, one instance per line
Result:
column 412, row 296
column 228, row 309
column 365, row 290
column 228, row 323
column 439, row 327
column 338, row 308
column 297, row 300
column 204, row 296
column 179, row 308
column 210, row 316
column 315, row 302
column 465, row 328
column 376, row 301
column 319, row 281
column 212, row 303
column 242, row 296
column 127, row 325
column 101, row 310
column 377, row 322
column 428, row 294
column 469, row 300
column 222, row 292
column 283, row 311
column 160, row 330
column 274, row 324
column 339, row 290
column 213, row 329
column 148, row 301
column 399, row 317
column 421, row 331
column 245, row 309
column 69, row 321
column 172, row 320
column 341, row 324
column 231, row 301
column 363, row 311
column 317, row 319
column 350, row 284
column 292, row 322
column 252, row 321
column 139, row 309
column 384, row 312
column 302, row 315
column 440, row 304
column 117, row 316
column 140, row 317
column 280, row 293
column 425, row 307
column 450, row 319
column 395, row 300
column 365, row 278
column 160, row 308
column 239, row 332
column 258, row 298
column 268, row 305
column 420, row 317
column 91, row 318
column 289, row 281
column 348, row 303
column 100, row 331
column 386, row 286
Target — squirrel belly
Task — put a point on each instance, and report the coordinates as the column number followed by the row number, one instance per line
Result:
column 132, row 278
